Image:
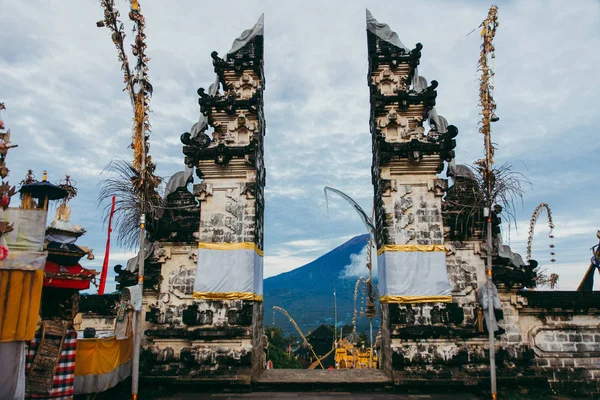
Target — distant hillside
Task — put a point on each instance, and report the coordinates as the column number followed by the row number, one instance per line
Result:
column 307, row 292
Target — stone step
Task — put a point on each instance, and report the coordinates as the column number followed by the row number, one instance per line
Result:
column 318, row 379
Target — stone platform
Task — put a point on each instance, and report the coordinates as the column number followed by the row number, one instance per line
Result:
column 317, row 379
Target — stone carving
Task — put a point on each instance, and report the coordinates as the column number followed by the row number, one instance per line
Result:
column 389, row 83
column 203, row 190
column 246, row 86
column 388, row 186
column 182, row 280
column 193, row 255
column 518, row 301
column 394, row 127
column 161, row 254
column 239, row 131
column 248, row 189
column 462, row 275
column 438, row 186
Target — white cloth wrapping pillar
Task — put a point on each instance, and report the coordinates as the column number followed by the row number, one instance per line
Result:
column 484, row 299
column 413, row 274
column 229, row 271
column 12, row 370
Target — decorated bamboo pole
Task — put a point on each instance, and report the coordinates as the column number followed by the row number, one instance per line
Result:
column 488, row 106
column 305, row 340
column 145, row 183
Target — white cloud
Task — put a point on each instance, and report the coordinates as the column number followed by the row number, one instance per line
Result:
column 283, row 262
column 357, row 266
column 296, row 253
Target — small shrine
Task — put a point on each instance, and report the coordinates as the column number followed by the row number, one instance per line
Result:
column 49, row 370
column 64, row 276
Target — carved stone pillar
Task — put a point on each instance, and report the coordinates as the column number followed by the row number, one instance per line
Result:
column 408, row 209
column 221, row 318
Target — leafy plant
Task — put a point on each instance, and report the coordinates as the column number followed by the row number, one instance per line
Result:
column 506, row 187
column 131, row 197
column 277, row 349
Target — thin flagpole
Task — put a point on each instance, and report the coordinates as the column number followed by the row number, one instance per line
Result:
column 107, row 251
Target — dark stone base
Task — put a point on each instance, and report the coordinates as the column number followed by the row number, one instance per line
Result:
column 239, row 378
column 220, row 343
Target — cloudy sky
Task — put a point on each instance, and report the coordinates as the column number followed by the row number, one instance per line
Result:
column 61, row 82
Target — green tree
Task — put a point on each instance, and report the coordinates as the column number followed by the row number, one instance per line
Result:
column 277, row 349
column 291, row 339
column 275, row 336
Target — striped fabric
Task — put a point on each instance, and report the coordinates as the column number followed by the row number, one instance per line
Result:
column 62, row 385
column 20, row 298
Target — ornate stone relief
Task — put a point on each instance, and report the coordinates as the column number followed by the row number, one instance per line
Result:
column 518, row 301
column 390, row 83
column 394, row 127
column 248, row 189
column 203, row 190
column 239, row 131
column 246, row 86
column 438, row 186
column 161, row 254
column 388, row 186
column 193, row 255
column 181, row 281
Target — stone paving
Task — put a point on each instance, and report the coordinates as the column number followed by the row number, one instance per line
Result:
column 340, row 376
column 322, row 396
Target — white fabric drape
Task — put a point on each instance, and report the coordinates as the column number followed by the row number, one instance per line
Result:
column 383, row 31
column 229, row 271
column 413, row 273
column 12, row 370
column 100, row 383
column 29, row 228
column 257, row 30
column 484, row 299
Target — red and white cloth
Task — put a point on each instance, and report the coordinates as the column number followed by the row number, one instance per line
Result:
column 64, row 377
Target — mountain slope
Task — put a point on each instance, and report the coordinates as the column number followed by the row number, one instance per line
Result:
column 307, row 292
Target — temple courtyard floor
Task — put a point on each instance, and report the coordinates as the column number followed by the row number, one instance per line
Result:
column 322, row 396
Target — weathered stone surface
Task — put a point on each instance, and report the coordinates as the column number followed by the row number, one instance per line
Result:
column 205, row 340
column 549, row 337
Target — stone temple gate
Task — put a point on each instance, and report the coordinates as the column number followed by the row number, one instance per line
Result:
column 203, row 288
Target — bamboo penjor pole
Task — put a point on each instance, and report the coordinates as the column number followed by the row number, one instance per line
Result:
column 488, row 106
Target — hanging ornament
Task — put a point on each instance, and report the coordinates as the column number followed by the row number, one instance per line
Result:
column 533, row 221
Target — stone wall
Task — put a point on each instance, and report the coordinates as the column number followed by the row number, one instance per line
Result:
column 562, row 329
column 188, row 339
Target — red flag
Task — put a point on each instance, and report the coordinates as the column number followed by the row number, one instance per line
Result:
column 106, row 253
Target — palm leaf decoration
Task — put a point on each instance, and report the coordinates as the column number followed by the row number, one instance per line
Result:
column 122, row 185
column 133, row 183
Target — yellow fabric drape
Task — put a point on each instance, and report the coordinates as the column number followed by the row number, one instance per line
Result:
column 20, row 298
column 231, row 246
column 415, row 299
column 411, row 247
column 100, row 356
column 227, row 296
